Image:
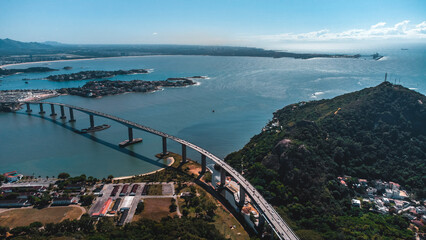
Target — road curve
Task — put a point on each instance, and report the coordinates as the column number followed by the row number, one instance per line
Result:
column 279, row 226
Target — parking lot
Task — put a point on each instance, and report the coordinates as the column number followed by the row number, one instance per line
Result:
column 168, row 191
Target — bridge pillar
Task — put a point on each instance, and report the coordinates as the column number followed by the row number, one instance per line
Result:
column 261, row 223
column 28, row 108
column 41, row 109
column 222, row 177
column 203, row 163
column 131, row 139
column 272, row 234
column 130, row 130
column 183, row 153
column 92, row 121
column 242, row 196
column 63, row 112
column 72, row 119
column 52, row 108
column 164, row 145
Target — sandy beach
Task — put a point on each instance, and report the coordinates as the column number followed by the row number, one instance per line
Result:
column 172, row 160
column 68, row 60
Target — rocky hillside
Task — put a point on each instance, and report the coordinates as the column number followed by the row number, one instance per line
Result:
column 375, row 133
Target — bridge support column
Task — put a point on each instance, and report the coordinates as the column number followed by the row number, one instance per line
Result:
column 164, row 145
column 183, row 153
column 203, row 163
column 41, row 109
column 222, row 177
column 92, row 121
column 52, row 108
column 261, row 224
column 63, row 112
column 130, row 130
column 71, row 115
column 242, row 196
column 131, row 140
column 272, row 234
column 28, row 108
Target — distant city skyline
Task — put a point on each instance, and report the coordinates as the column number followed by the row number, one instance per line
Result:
column 267, row 24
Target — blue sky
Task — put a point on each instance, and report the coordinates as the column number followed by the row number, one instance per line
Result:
column 222, row 22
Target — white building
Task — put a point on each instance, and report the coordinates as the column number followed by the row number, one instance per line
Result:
column 356, row 203
column 127, row 203
column 371, row 191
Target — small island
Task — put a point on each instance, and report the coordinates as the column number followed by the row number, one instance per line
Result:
column 7, row 72
column 84, row 75
column 107, row 87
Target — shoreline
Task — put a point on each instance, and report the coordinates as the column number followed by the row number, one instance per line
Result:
column 148, row 55
column 172, row 160
column 66, row 60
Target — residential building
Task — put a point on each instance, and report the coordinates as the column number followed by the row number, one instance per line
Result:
column 356, row 203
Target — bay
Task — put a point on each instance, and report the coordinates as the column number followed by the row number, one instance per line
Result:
column 242, row 91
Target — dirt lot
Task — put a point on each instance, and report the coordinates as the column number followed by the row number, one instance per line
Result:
column 155, row 209
column 24, row 217
column 193, row 168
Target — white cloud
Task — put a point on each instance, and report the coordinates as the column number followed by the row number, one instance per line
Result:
column 154, row 33
column 380, row 24
column 401, row 30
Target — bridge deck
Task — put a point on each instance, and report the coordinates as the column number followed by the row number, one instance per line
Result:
column 279, row 226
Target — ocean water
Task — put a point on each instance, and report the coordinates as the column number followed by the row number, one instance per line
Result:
column 243, row 91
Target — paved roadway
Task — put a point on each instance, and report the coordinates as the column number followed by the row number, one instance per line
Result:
column 135, row 202
column 279, row 226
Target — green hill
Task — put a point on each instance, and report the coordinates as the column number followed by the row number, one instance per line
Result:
column 375, row 133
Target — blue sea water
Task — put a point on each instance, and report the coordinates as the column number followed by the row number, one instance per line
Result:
column 243, row 91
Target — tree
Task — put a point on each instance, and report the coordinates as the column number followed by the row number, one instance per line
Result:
column 3, row 230
column 36, row 225
column 140, row 207
column 173, row 207
column 43, row 201
column 185, row 212
column 86, row 200
column 20, row 230
column 208, row 176
column 105, row 225
column 63, row 175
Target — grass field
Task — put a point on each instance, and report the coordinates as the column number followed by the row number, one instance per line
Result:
column 23, row 217
column 155, row 189
column 155, row 209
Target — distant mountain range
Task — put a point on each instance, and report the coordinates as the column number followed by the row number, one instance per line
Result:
column 9, row 46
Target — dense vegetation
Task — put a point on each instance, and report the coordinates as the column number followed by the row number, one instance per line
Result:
column 375, row 133
column 6, row 72
column 167, row 228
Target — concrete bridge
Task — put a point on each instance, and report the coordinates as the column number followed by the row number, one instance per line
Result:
column 266, row 211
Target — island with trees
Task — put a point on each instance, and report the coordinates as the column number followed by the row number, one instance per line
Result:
column 7, row 72
column 84, row 75
column 107, row 87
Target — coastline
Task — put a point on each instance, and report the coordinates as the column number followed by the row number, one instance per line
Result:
column 313, row 56
column 172, row 160
column 66, row 60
